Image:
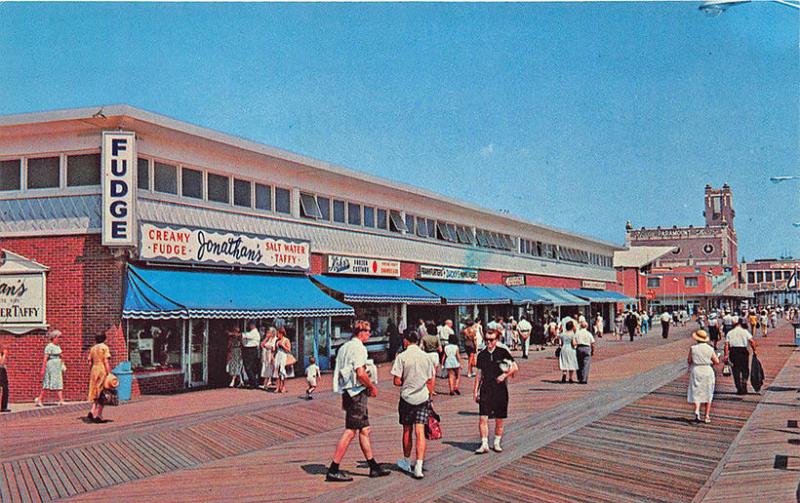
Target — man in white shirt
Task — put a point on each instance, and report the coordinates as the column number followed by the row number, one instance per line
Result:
column 414, row 372
column 727, row 323
column 665, row 321
column 584, row 347
column 445, row 331
column 525, row 328
column 250, row 342
column 736, row 342
column 351, row 379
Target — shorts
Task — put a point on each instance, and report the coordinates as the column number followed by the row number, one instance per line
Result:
column 312, row 381
column 494, row 402
column 470, row 350
column 355, row 408
column 413, row 414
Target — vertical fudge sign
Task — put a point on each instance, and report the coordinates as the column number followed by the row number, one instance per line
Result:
column 119, row 168
column 182, row 244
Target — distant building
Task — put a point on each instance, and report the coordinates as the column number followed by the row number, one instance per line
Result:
column 768, row 280
column 685, row 267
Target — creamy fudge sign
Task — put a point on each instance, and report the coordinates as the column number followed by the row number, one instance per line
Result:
column 203, row 246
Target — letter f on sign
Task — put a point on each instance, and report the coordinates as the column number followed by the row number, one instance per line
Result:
column 118, row 145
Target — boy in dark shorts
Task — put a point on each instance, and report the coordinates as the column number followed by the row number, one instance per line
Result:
column 496, row 365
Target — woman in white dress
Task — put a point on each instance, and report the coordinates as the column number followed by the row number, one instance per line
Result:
column 268, row 357
column 702, row 359
column 568, row 359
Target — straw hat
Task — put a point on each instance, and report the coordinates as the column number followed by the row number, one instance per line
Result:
column 111, row 382
column 700, row 336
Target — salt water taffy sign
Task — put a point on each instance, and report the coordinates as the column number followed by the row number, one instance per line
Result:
column 160, row 243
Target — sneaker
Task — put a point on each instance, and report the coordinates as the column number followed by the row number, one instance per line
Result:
column 378, row 472
column 483, row 449
column 418, row 472
column 404, row 465
column 337, row 477
column 497, row 447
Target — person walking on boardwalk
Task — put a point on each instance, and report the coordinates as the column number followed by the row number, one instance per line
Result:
column 268, row 347
column 395, row 337
column 100, row 360
column 584, row 349
column 452, row 363
column 524, row 328
column 251, row 340
column 702, row 379
column 3, row 380
column 495, row 366
column 415, row 373
column 736, row 343
column 351, row 379
column 666, row 319
column 53, row 368
column 470, row 345
column 632, row 324
column 567, row 357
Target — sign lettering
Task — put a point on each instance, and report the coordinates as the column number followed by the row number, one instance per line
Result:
column 447, row 273
column 119, row 159
column 362, row 266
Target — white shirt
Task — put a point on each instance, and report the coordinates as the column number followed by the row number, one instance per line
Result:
column 524, row 328
column 251, row 338
column 351, row 356
column 583, row 337
column 666, row 318
column 563, row 325
column 738, row 338
column 727, row 320
column 581, row 319
column 415, row 368
column 444, row 333
column 312, row 371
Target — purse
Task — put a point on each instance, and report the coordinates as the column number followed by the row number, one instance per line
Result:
column 558, row 352
column 109, row 397
column 433, row 430
column 726, row 369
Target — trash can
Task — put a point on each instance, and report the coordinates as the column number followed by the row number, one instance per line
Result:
column 124, row 373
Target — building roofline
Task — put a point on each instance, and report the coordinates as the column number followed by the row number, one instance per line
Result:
column 259, row 148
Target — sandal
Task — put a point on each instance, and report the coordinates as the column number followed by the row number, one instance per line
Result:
column 37, row 402
column 708, row 420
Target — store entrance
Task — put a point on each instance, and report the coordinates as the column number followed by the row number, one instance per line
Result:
column 218, row 347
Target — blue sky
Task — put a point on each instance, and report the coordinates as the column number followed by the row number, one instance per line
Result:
column 577, row 115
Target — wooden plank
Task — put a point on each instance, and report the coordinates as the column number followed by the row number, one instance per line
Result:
column 42, row 480
column 6, row 482
column 24, row 484
column 59, row 481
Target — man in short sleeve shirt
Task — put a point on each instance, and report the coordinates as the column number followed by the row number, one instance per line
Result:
column 736, row 342
column 495, row 365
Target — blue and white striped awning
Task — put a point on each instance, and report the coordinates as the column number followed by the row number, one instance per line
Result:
column 377, row 290
column 174, row 293
column 602, row 296
column 463, row 294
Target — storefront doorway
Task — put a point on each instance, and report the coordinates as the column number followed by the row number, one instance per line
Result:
column 316, row 341
column 197, row 361
column 218, row 351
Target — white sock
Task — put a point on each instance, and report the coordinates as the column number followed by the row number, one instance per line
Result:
column 497, row 439
column 418, row 466
column 484, row 441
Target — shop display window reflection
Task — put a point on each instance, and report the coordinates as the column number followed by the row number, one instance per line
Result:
column 155, row 344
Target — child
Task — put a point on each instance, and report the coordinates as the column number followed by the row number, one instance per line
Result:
column 312, row 373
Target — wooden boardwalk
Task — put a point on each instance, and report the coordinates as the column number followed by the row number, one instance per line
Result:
column 250, row 445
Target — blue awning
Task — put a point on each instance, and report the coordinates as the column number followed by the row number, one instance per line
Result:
column 602, row 296
column 460, row 294
column 561, row 297
column 173, row 293
column 510, row 293
column 531, row 295
column 377, row 290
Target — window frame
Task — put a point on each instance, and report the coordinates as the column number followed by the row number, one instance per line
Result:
column 326, row 214
column 251, row 191
column 275, row 200
column 59, row 170
column 20, row 180
column 271, row 198
column 397, row 221
column 183, row 179
column 350, row 220
column 368, row 210
column 156, row 164
column 691, row 281
column 309, row 207
column 99, row 169
column 382, row 219
column 334, row 205
column 653, row 282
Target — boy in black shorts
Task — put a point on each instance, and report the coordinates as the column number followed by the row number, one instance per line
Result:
column 496, row 365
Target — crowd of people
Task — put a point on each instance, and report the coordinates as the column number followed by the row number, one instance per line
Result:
column 261, row 358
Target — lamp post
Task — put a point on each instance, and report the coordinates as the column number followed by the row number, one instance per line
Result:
column 717, row 7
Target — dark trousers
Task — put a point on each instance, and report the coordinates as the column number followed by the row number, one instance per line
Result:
column 631, row 332
column 665, row 329
column 251, row 365
column 4, row 385
column 584, row 362
column 741, row 368
column 526, row 342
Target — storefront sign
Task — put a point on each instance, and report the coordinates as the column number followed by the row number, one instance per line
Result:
column 22, row 294
column 119, row 167
column 203, row 246
column 361, row 266
column 516, row 280
column 447, row 273
column 593, row 285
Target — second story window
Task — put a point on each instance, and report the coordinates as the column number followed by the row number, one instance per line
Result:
column 690, row 281
column 43, row 173
column 653, row 282
column 324, row 204
column 242, row 193
column 143, row 174
column 83, row 170
column 263, row 197
column 369, row 216
column 338, row 211
column 396, row 222
column 422, row 227
column 219, row 188
column 283, row 200
column 353, row 214
column 10, row 175
column 192, row 183
column 166, row 178
column 382, row 220
column 309, row 207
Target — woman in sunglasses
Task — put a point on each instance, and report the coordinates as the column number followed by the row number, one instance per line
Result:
column 495, row 365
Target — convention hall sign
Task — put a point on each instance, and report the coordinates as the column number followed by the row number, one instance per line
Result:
column 363, row 266
column 161, row 243
column 23, row 294
column 447, row 273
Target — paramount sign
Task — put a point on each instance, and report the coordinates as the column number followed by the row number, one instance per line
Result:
column 362, row 266
column 202, row 246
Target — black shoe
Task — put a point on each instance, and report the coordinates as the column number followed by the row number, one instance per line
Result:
column 525, row 356
column 457, row 392
column 338, row 477
column 378, row 472
column 5, row 410
column 571, row 381
column 89, row 416
column 563, row 379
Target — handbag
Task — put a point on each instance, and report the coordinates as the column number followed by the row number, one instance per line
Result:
column 433, row 430
column 558, row 352
column 726, row 369
column 109, row 397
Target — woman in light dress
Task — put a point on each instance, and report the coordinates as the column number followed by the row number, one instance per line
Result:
column 283, row 360
column 53, row 368
column 452, row 362
column 598, row 325
column 568, row 359
column 702, row 379
column 268, row 357
column 235, row 366
column 100, row 360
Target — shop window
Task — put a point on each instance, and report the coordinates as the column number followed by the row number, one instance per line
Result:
column 410, row 220
column 422, row 227
column 353, row 214
column 324, row 204
column 219, row 188
column 653, row 282
column 10, row 178
column 283, row 200
column 431, row 224
column 263, row 197
column 242, row 193
column 143, row 174
column 155, row 345
column 43, row 173
column 768, row 276
column 396, row 223
column 383, row 221
column 83, row 170
column 369, row 216
column 338, row 211
column 690, row 282
column 165, row 178
column 191, row 183
column 309, row 207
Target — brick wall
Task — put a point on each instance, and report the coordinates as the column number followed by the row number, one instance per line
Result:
column 158, row 384
column 84, row 298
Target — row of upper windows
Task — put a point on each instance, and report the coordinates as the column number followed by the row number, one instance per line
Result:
column 768, row 276
column 688, row 281
column 80, row 170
